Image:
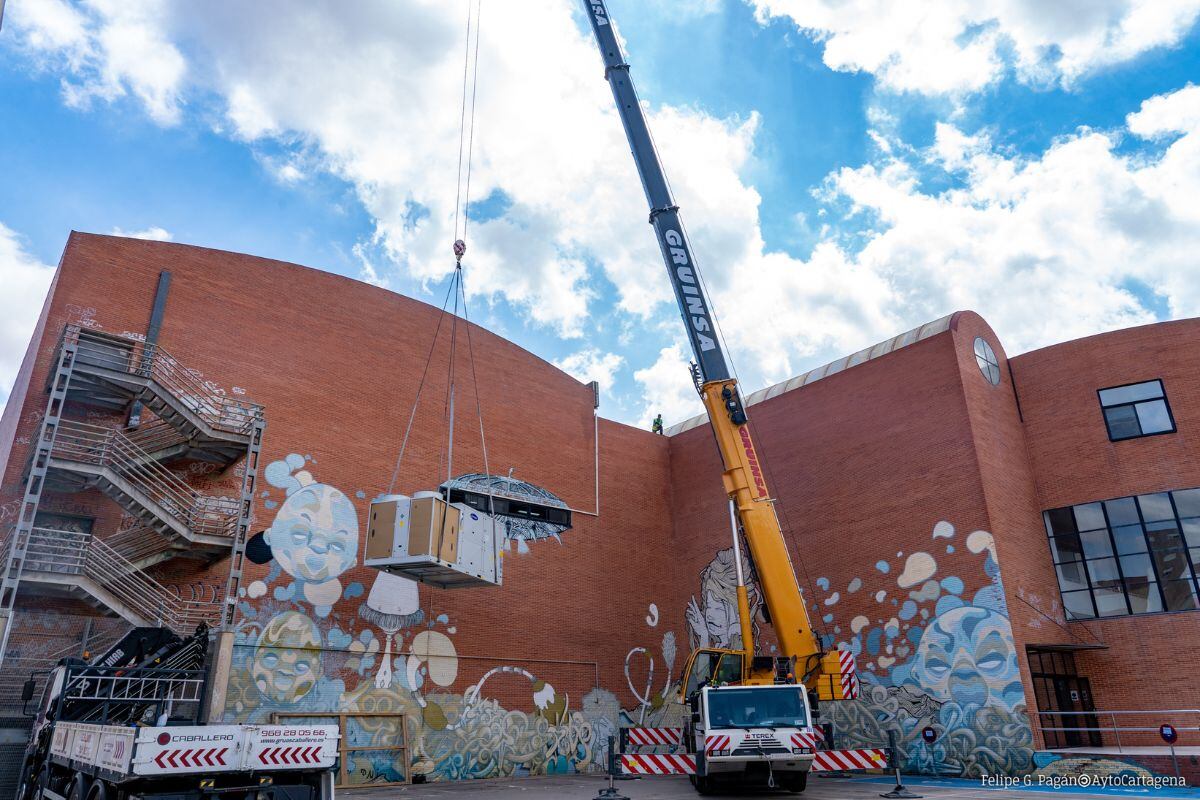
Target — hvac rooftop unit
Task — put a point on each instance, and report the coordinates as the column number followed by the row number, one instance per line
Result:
column 424, row 538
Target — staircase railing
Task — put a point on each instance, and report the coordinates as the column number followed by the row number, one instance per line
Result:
column 154, row 437
column 123, row 354
column 138, row 543
column 72, row 553
column 108, row 447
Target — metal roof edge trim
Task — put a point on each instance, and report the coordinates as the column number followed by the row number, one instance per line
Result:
column 878, row 350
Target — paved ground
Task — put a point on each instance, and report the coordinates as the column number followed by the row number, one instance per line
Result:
column 819, row 788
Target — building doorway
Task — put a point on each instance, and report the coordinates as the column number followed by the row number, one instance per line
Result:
column 1058, row 687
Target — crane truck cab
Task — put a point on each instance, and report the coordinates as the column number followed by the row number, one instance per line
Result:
column 752, row 735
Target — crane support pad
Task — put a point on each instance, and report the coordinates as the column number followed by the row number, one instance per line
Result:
column 658, row 764
column 846, row 760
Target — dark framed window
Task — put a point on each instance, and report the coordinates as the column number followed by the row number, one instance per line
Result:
column 1136, row 409
column 1128, row 555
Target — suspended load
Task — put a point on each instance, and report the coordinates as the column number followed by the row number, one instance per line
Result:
column 426, row 539
column 528, row 512
column 454, row 538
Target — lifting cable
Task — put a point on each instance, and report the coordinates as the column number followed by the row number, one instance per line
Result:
column 456, row 289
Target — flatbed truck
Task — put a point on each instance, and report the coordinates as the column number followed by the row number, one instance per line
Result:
column 130, row 725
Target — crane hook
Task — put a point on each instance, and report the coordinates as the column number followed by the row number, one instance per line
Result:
column 460, row 249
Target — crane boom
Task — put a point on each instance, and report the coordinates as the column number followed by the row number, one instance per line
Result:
column 743, row 476
column 664, row 214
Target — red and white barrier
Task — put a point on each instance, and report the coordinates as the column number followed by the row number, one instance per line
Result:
column 841, row 760
column 849, row 670
column 654, row 736
column 811, row 738
column 660, row 764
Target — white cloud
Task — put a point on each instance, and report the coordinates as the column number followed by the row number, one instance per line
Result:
column 1048, row 247
column 957, row 46
column 1163, row 115
column 591, row 364
column 153, row 233
column 109, row 48
column 1082, row 238
column 25, row 281
column 1078, row 240
column 667, row 388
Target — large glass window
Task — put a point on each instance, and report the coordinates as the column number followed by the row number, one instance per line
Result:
column 1129, row 555
column 1139, row 409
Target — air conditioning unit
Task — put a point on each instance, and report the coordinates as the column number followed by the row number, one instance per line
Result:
column 426, row 539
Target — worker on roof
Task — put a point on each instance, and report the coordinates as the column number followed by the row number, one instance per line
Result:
column 656, row 426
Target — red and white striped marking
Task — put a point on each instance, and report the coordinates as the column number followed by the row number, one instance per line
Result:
column 839, row 760
column 654, row 736
column 808, row 738
column 715, row 742
column 849, row 670
column 658, row 764
column 201, row 757
column 290, row 755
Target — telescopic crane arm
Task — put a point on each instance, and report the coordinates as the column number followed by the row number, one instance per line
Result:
column 743, row 475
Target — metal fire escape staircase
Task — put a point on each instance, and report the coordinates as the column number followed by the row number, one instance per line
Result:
column 195, row 422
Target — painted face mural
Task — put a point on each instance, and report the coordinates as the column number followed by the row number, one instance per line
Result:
column 287, row 658
column 930, row 653
column 307, row 644
column 967, row 655
column 315, row 534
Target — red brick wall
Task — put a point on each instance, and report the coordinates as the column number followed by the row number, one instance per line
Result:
column 1010, row 497
column 1144, row 666
column 907, row 465
column 865, row 464
column 336, row 364
column 20, row 393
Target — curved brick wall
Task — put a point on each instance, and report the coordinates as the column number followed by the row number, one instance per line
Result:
column 911, row 489
column 336, row 364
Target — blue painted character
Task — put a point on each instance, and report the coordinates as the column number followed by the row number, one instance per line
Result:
column 966, row 656
column 314, row 538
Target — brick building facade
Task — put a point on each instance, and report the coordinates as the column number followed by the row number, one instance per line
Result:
column 911, row 478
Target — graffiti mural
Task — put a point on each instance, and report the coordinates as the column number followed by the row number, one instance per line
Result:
column 314, row 537
column 713, row 619
column 929, row 652
column 297, row 651
column 935, row 655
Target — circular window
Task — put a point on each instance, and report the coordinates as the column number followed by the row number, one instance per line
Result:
column 989, row 365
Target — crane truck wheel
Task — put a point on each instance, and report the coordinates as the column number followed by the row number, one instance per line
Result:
column 702, row 785
column 78, row 788
column 98, row 791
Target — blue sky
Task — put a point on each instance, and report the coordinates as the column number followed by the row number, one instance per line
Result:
column 845, row 176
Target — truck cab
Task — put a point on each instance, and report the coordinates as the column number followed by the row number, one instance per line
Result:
column 752, row 735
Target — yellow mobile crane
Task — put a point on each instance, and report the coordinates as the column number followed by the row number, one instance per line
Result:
column 749, row 711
